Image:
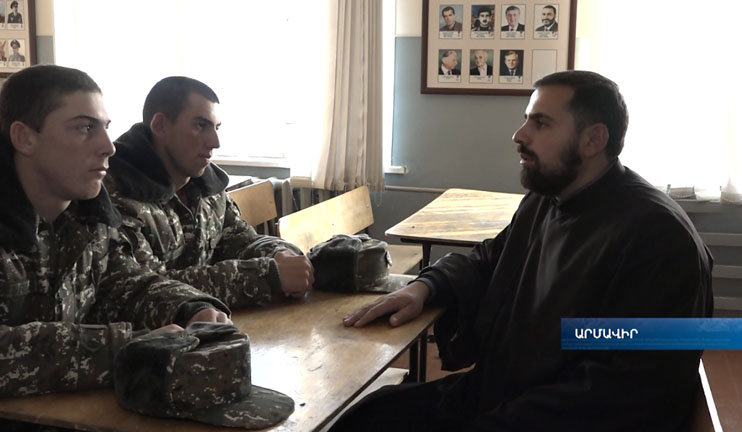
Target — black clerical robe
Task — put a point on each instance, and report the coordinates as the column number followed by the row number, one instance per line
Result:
column 616, row 248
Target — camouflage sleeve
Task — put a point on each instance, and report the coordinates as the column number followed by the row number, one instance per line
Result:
column 239, row 240
column 57, row 356
column 237, row 282
column 134, row 288
column 243, row 272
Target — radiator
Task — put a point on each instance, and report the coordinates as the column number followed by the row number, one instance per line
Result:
column 289, row 197
column 286, row 202
column 720, row 228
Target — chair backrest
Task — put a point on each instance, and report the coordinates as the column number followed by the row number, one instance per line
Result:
column 256, row 202
column 348, row 213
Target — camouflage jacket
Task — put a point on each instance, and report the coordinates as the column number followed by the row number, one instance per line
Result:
column 59, row 330
column 206, row 244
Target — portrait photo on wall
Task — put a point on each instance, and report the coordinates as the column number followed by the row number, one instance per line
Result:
column 17, row 57
column 480, row 66
column 2, row 15
column 448, row 69
column 513, row 21
column 511, row 66
column 450, row 21
column 483, row 21
column 14, row 16
column 546, row 23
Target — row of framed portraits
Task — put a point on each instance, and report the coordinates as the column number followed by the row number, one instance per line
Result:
column 17, row 35
column 481, row 47
column 485, row 68
column 480, row 21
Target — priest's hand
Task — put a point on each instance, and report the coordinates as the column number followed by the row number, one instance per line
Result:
column 403, row 305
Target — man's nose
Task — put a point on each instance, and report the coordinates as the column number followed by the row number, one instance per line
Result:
column 107, row 147
column 214, row 140
column 519, row 137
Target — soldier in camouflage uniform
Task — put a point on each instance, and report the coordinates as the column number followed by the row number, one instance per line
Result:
column 165, row 186
column 59, row 328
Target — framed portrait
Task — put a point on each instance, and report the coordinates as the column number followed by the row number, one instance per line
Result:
column 487, row 47
column 17, row 35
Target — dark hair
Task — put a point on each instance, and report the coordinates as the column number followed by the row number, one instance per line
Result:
column 512, row 7
column 550, row 7
column 30, row 94
column 13, row 4
column 170, row 96
column 448, row 8
column 15, row 44
column 484, row 9
column 596, row 99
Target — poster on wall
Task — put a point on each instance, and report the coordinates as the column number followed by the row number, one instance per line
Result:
column 494, row 48
column 17, row 35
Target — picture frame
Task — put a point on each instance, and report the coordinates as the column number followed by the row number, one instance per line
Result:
column 17, row 35
column 494, row 47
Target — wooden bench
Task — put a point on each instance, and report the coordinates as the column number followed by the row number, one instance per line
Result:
column 257, row 204
column 348, row 213
column 704, row 417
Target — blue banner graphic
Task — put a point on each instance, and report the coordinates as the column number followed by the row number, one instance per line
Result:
column 651, row 333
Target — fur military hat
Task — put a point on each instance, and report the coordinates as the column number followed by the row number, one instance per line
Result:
column 201, row 373
column 351, row 263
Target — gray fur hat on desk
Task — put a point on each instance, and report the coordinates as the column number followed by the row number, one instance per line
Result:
column 201, row 373
column 351, row 263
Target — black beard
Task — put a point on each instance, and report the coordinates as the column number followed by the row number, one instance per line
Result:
column 551, row 183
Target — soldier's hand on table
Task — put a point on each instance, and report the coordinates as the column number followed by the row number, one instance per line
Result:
column 210, row 315
column 167, row 328
column 404, row 305
column 296, row 273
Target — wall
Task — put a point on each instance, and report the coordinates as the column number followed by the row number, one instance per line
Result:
column 45, row 31
column 444, row 140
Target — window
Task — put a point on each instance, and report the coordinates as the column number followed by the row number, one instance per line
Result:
column 265, row 61
column 674, row 64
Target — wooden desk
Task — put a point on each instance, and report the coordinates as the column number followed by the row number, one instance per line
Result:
column 298, row 348
column 458, row 217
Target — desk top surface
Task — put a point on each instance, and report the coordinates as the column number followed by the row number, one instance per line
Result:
column 299, row 348
column 459, row 216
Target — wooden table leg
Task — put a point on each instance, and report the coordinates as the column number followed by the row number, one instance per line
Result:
column 426, row 254
column 415, row 361
column 423, row 341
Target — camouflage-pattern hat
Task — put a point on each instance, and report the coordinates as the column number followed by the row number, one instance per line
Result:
column 351, row 263
column 201, row 373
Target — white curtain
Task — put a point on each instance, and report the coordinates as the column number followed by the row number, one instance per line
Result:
column 351, row 148
column 676, row 64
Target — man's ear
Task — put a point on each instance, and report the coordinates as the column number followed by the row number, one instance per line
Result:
column 159, row 124
column 594, row 138
column 23, row 137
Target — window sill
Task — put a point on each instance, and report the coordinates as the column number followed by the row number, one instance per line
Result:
column 254, row 162
column 395, row 169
